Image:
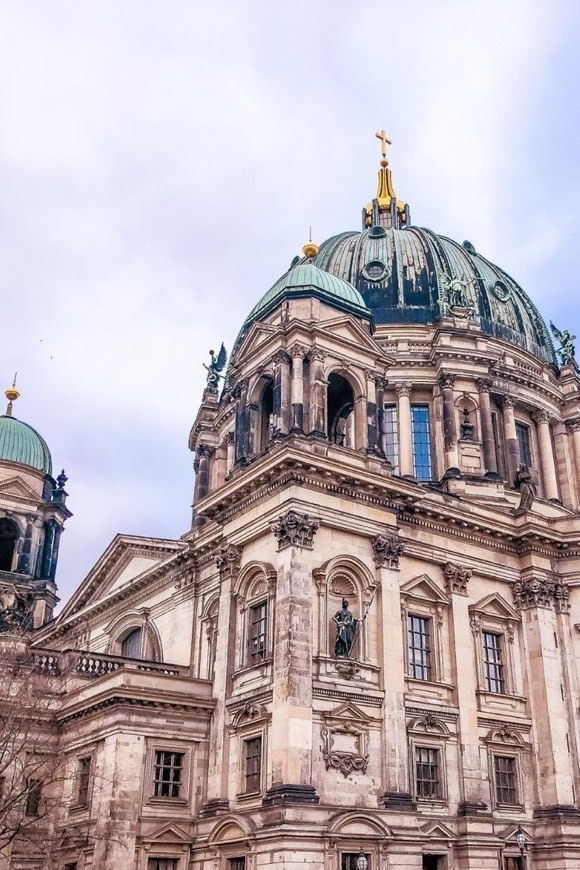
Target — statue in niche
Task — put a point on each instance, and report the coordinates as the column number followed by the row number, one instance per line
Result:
column 467, row 427
column 346, row 625
column 527, row 487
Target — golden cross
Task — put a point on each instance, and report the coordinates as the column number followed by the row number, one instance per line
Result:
column 384, row 142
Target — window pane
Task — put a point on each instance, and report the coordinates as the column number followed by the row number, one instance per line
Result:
column 419, row 647
column 258, row 629
column 493, row 662
column 253, row 762
column 162, row 864
column 348, row 860
column 237, row 864
column 391, row 436
column 427, row 772
column 421, row 442
column 167, row 774
column 131, row 646
column 524, row 448
column 505, row 780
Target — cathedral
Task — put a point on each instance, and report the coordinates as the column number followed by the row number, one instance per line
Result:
column 363, row 654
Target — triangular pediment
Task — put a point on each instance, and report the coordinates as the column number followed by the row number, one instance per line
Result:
column 168, row 833
column 437, row 831
column 258, row 334
column 425, row 588
column 346, row 712
column 16, row 488
column 126, row 561
column 495, row 605
column 347, row 329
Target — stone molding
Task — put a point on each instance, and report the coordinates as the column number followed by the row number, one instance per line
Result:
column 456, row 578
column 228, row 560
column 294, row 529
column 537, row 592
column 387, row 550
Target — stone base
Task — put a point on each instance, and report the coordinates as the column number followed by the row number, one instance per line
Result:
column 558, row 813
column 472, row 808
column 287, row 793
column 216, row 807
column 398, row 800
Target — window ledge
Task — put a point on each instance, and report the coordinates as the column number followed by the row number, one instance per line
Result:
column 172, row 801
column 508, row 696
column 247, row 796
column 431, row 803
column 253, row 667
column 77, row 808
column 438, row 684
column 510, row 807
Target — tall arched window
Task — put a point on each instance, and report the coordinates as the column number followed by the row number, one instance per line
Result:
column 266, row 421
column 8, row 538
column 340, row 409
column 131, row 644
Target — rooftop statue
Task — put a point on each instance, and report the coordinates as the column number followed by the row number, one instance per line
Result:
column 214, row 368
column 527, row 486
column 567, row 349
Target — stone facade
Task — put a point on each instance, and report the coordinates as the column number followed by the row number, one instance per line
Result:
column 222, row 729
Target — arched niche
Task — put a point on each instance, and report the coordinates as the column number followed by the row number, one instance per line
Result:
column 343, row 577
column 261, row 423
column 340, row 405
column 9, row 534
column 468, row 424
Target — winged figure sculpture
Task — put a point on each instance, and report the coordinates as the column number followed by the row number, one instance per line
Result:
column 216, row 366
column 567, row 349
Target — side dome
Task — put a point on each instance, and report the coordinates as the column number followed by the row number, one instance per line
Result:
column 306, row 279
column 19, row 442
column 412, row 275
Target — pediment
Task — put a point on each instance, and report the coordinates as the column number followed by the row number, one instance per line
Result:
column 509, row 833
column 258, row 334
column 347, row 328
column 346, row 713
column 230, row 828
column 168, row 833
column 125, row 562
column 358, row 824
column 16, row 488
column 437, row 831
column 495, row 605
column 425, row 588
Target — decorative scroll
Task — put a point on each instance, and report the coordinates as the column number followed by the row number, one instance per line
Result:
column 456, row 578
column 387, row 550
column 294, row 530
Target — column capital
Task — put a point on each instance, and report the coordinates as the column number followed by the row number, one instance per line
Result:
column 387, row 550
column 403, row 389
column 541, row 416
column 204, row 451
column 280, row 356
column 541, row 592
column 573, row 425
column 507, row 401
column 456, row 578
column 316, row 353
column 239, row 388
column 381, row 382
column 230, row 437
column 294, row 529
column 298, row 350
column 446, row 380
column 228, row 559
column 484, row 385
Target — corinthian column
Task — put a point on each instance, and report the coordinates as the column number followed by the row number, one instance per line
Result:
column 405, row 429
column 297, row 352
column 446, row 382
column 201, row 488
column 510, row 438
column 573, row 426
column 317, row 390
column 542, row 421
column 281, row 404
column 487, row 437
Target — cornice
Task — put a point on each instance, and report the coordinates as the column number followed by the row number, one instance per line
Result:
column 201, row 708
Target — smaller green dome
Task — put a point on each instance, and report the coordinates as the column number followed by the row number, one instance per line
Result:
column 19, row 442
column 306, row 279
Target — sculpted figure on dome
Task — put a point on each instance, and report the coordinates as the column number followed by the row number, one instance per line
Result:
column 346, row 625
column 527, row 486
column 455, row 296
column 567, row 348
column 214, row 368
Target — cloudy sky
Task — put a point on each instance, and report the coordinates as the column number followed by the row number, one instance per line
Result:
column 161, row 161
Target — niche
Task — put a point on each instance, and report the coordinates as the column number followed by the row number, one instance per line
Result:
column 340, row 405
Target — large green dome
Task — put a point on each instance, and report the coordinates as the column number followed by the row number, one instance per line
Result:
column 19, row 442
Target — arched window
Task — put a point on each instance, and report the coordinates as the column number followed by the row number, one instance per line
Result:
column 266, row 419
column 340, row 411
column 131, row 644
column 8, row 538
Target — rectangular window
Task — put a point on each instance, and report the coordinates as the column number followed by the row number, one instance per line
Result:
column 162, row 864
column 253, row 764
column 421, row 442
column 524, row 448
column 418, row 629
column 348, row 860
column 84, row 777
column 72, row 865
column 258, row 630
column 237, row 863
column 427, row 772
column 505, row 780
column 33, row 797
column 391, row 436
column 493, row 663
column 167, row 774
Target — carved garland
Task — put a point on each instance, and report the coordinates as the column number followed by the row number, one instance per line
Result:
column 387, row 550
column 294, row 529
column 456, row 578
column 541, row 593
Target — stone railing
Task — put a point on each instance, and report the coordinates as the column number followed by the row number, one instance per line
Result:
column 87, row 664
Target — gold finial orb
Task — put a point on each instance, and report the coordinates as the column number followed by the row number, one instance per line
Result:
column 12, row 394
column 384, row 162
column 310, row 250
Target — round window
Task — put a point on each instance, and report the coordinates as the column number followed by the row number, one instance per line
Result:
column 500, row 291
column 375, row 270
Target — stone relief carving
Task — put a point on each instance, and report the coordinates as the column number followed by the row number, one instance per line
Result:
column 387, row 550
column 537, row 592
column 456, row 578
column 15, row 609
column 293, row 529
column 228, row 559
column 345, row 747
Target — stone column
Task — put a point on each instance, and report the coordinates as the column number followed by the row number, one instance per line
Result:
column 387, row 550
column 291, row 732
column 228, row 563
column 573, row 427
column 510, row 438
column 405, row 430
column 464, row 663
column 539, row 598
column 230, row 451
column 446, row 382
column 201, row 488
column 240, row 393
column 298, row 354
column 487, row 436
column 317, row 410
column 549, row 478
column 380, row 387
column 281, row 405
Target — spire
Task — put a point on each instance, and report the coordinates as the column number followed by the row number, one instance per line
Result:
column 11, row 394
column 385, row 209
